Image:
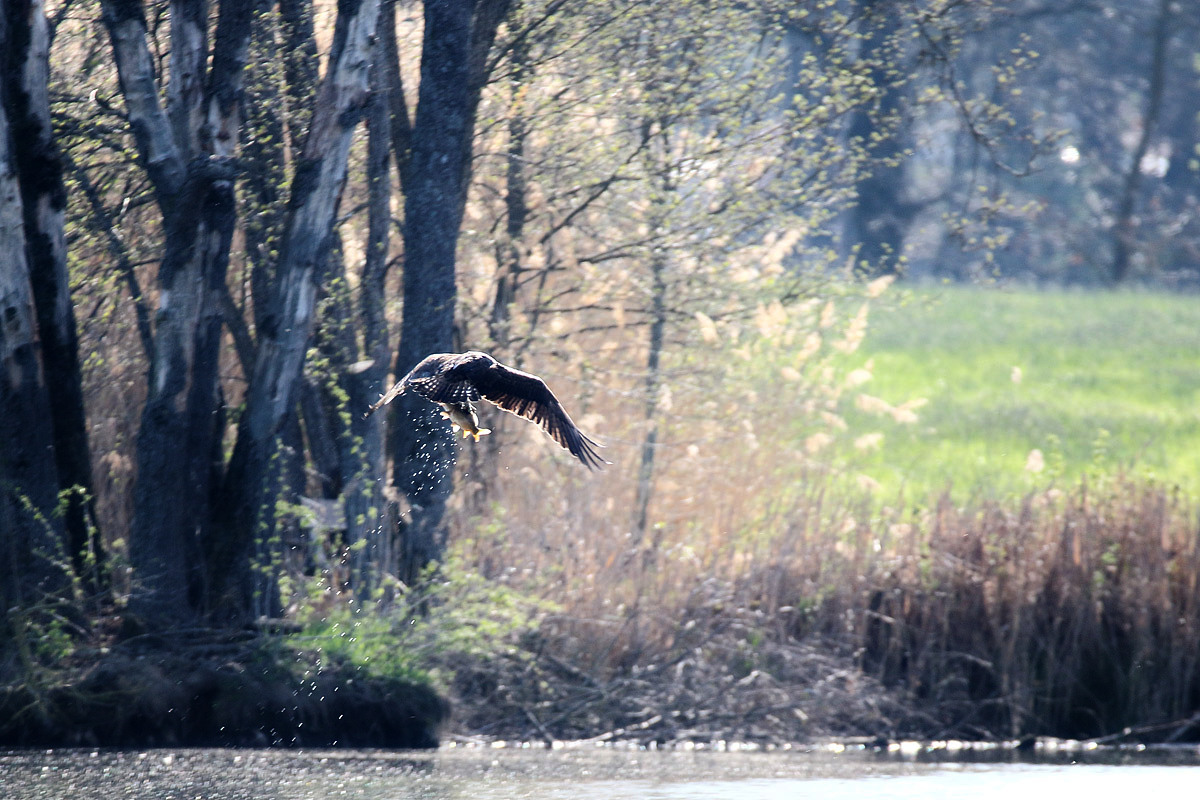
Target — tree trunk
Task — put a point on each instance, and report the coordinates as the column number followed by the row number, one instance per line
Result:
column 659, row 166
column 182, row 419
column 157, row 151
column 186, row 151
column 349, row 386
column 515, row 205
column 264, row 151
column 31, row 567
column 39, row 168
column 248, row 504
column 1124, row 233
column 300, row 62
column 185, row 89
column 272, row 137
column 321, row 436
column 650, row 392
column 399, row 123
column 880, row 217
column 458, row 36
column 367, row 535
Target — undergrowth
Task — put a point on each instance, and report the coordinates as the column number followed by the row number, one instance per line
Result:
column 453, row 615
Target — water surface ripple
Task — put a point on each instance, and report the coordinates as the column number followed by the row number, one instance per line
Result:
column 590, row 773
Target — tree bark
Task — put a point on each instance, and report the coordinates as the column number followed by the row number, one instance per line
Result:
column 182, row 421
column 247, row 504
column 185, row 89
column 125, row 21
column 457, row 38
column 39, row 168
column 31, row 566
column 159, row 548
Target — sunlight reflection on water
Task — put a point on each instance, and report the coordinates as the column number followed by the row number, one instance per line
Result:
column 573, row 774
column 981, row 782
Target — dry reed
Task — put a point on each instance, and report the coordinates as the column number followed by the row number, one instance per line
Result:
column 767, row 604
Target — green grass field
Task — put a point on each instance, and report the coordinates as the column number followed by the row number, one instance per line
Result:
column 1107, row 380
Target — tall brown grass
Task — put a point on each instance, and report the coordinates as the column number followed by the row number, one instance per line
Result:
column 1071, row 613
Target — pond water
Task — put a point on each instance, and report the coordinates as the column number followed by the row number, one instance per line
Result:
column 594, row 773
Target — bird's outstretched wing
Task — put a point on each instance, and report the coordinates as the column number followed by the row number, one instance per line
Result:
column 528, row 396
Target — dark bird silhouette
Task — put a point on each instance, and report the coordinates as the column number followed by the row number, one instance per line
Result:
column 454, row 380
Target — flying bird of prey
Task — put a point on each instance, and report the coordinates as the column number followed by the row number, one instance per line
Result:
column 454, row 380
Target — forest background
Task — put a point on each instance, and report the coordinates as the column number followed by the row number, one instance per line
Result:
column 228, row 225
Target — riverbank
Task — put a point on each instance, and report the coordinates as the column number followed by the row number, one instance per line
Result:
column 734, row 681
column 802, row 693
column 713, row 691
column 212, row 688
